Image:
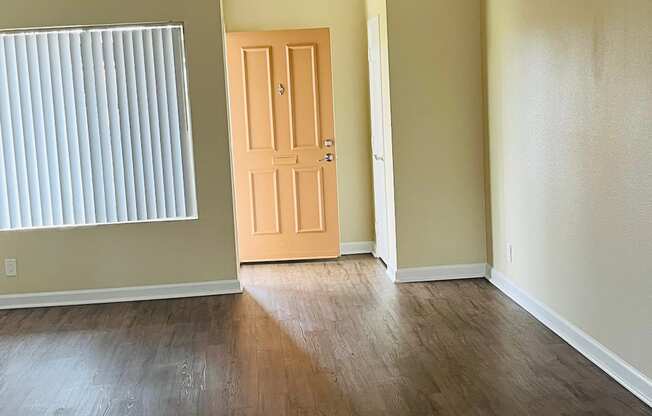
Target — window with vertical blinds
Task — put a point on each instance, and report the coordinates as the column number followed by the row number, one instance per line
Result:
column 95, row 127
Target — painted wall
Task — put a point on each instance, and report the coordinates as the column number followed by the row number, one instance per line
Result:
column 346, row 20
column 140, row 254
column 570, row 105
column 435, row 67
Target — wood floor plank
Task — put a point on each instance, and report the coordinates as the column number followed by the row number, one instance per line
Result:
column 332, row 338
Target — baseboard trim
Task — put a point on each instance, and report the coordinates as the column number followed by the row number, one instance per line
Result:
column 123, row 294
column 438, row 273
column 357, row 247
column 629, row 377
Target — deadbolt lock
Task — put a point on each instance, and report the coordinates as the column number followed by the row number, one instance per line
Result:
column 329, row 142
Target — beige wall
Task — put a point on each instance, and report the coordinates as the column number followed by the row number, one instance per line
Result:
column 346, row 20
column 140, row 254
column 435, row 66
column 570, row 105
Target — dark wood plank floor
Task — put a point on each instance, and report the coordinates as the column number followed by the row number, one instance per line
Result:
column 323, row 338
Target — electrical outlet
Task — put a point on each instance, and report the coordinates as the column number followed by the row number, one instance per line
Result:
column 11, row 268
column 510, row 253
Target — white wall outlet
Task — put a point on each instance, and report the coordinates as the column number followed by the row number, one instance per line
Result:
column 510, row 253
column 11, row 268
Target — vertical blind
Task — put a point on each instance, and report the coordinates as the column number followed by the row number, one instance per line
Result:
column 94, row 127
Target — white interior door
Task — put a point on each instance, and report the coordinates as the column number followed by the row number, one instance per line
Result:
column 378, row 138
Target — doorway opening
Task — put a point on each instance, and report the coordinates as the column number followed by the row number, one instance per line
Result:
column 283, row 145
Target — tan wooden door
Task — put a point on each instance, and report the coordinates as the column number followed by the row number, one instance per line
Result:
column 280, row 88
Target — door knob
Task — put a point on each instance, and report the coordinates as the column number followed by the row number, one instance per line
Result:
column 329, row 157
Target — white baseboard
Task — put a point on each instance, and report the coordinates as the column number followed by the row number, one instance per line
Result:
column 357, row 247
column 123, row 294
column 629, row 377
column 437, row 273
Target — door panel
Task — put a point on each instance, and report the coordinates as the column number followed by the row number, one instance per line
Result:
column 378, row 140
column 308, row 200
column 258, row 99
column 303, row 99
column 263, row 192
column 280, row 93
